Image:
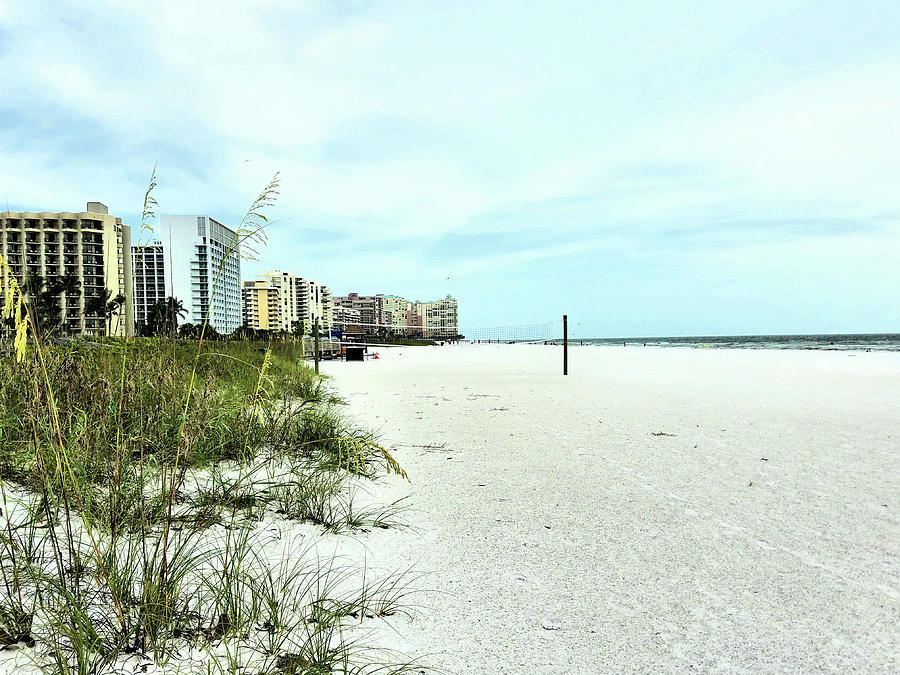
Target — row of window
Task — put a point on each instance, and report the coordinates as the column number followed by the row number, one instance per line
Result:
column 53, row 223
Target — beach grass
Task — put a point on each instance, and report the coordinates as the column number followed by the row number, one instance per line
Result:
column 118, row 538
column 133, row 473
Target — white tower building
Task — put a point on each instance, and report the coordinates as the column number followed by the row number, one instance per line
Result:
column 202, row 258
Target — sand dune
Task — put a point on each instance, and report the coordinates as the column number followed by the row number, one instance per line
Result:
column 657, row 509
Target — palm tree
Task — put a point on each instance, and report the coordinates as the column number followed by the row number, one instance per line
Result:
column 95, row 305
column 113, row 307
column 103, row 307
column 190, row 331
column 156, row 318
column 43, row 302
column 164, row 315
column 70, row 287
column 174, row 310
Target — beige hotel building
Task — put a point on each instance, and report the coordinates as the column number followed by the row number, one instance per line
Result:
column 92, row 245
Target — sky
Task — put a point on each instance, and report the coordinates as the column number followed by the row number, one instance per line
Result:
column 647, row 168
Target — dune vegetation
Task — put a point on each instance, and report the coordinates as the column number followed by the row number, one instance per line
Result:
column 133, row 476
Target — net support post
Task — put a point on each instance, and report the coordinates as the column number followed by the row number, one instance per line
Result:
column 316, row 343
column 565, row 344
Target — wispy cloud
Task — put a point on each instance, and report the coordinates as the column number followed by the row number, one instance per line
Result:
column 532, row 151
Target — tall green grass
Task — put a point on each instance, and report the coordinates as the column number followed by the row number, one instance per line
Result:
column 132, row 472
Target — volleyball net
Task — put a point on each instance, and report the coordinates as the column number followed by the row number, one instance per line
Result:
column 527, row 332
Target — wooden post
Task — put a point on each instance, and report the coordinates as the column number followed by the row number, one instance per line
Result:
column 565, row 344
column 316, row 342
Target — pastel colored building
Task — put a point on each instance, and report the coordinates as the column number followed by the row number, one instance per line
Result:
column 90, row 245
column 278, row 300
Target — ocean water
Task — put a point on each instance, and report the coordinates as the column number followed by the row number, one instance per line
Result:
column 871, row 342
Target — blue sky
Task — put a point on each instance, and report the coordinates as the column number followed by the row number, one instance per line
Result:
column 649, row 168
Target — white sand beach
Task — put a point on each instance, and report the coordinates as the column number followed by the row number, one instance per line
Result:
column 656, row 510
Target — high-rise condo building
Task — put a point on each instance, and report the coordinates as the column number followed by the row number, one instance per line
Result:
column 261, row 299
column 438, row 318
column 344, row 316
column 371, row 307
column 92, row 248
column 278, row 300
column 398, row 316
column 202, row 263
column 149, row 278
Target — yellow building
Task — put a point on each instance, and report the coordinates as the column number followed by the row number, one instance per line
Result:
column 92, row 246
column 261, row 304
column 279, row 300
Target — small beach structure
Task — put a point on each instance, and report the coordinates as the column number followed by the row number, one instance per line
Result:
column 355, row 353
column 354, row 332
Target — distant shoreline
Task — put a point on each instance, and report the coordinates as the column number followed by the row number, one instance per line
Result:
column 836, row 342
